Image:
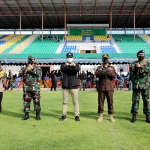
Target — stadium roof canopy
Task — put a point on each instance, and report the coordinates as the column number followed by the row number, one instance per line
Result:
column 56, row 13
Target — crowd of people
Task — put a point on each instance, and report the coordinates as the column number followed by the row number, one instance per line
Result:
column 72, row 81
column 53, row 79
column 55, row 38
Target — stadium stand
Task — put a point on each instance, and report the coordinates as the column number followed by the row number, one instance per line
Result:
column 128, row 45
column 101, row 38
column 145, row 37
column 74, row 38
column 15, row 44
column 19, row 48
column 107, row 49
column 70, row 48
column 2, row 42
column 45, row 46
column 11, row 39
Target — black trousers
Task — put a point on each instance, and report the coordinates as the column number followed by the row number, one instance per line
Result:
column 1, row 97
column 54, row 85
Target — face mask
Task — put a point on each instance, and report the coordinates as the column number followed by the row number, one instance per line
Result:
column 105, row 61
column 140, row 57
column 69, row 60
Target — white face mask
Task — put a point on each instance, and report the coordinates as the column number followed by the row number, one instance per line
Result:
column 69, row 60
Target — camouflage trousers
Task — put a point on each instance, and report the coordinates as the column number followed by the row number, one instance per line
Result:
column 28, row 96
column 136, row 98
column 10, row 85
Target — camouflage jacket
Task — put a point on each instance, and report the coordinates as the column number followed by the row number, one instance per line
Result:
column 10, row 77
column 31, row 79
column 140, row 76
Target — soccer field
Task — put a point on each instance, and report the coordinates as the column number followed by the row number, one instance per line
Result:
column 88, row 134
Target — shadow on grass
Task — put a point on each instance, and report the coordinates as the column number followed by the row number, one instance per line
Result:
column 122, row 115
column 83, row 114
column 56, row 114
column 12, row 114
column 127, row 116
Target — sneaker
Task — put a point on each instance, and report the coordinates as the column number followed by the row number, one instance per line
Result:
column 77, row 118
column 63, row 118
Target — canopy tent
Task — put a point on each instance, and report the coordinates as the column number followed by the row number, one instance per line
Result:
column 60, row 61
column 115, row 58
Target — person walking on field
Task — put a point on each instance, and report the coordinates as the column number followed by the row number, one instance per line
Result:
column 140, row 71
column 10, row 80
column 83, row 80
column 106, row 73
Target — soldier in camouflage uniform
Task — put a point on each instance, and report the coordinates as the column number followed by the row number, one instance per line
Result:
column 31, row 87
column 10, row 78
column 139, row 77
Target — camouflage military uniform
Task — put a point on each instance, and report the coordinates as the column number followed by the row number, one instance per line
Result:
column 10, row 78
column 31, row 88
column 139, row 77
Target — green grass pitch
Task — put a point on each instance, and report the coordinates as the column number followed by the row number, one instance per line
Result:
column 88, row 134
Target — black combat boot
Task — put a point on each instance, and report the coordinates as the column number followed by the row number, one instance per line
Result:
column 38, row 116
column 26, row 116
column 133, row 120
column 147, row 118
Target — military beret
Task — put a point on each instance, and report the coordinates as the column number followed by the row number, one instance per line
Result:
column 140, row 51
column 105, row 56
column 30, row 57
column 69, row 55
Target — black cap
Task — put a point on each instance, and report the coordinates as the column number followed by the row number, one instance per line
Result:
column 140, row 51
column 105, row 56
column 69, row 55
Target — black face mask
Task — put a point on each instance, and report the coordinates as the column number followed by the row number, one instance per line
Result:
column 140, row 57
column 105, row 61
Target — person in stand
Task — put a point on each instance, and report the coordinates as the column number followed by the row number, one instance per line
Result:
column 70, row 72
column 31, row 87
column 139, row 71
column 106, row 73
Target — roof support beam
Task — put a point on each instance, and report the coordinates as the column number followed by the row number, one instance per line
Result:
column 76, row 13
column 95, row 11
column 81, row 11
column 10, row 11
column 55, row 13
column 42, row 11
column 28, row 3
column 133, row 13
column 121, row 12
column 17, row 5
column 146, row 8
column 110, row 11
